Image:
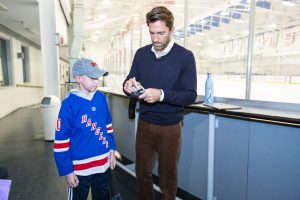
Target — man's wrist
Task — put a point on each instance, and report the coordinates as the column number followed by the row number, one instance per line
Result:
column 162, row 95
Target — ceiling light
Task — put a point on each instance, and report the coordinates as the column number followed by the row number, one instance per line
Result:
column 200, row 33
column 106, row 3
column 103, row 16
column 226, row 37
column 3, row 7
column 239, row 21
column 224, row 13
column 288, row 3
column 95, row 37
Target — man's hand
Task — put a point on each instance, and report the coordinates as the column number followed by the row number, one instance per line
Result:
column 72, row 180
column 151, row 95
column 131, row 85
column 113, row 160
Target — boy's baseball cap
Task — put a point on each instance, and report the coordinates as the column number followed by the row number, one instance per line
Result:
column 87, row 67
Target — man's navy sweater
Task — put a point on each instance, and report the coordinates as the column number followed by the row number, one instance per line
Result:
column 174, row 73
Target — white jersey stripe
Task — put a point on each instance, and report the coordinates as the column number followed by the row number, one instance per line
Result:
column 76, row 162
column 61, row 149
column 62, row 141
column 110, row 131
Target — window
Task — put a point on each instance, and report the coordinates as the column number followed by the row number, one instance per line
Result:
column 251, row 48
column 5, row 70
column 218, row 37
column 25, row 64
column 276, row 63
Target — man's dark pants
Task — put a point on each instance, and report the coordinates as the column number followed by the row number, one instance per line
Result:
column 165, row 140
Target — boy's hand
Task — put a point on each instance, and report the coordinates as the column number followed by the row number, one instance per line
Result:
column 72, row 180
column 113, row 160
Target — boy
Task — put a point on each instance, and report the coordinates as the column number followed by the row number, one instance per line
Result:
column 84, row 143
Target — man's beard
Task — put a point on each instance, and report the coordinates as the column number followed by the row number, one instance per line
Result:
column 160, row 46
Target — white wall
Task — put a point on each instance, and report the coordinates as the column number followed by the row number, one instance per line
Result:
column 35, row 65
column 12, row 98
column 20, row 94
column 17, row 69
column 26, row 94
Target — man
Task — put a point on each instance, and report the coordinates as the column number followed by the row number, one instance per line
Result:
column 168, row 73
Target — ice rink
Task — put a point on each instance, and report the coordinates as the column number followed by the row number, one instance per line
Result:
column 275, row 89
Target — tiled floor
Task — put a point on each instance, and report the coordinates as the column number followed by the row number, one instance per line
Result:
column 30, row 163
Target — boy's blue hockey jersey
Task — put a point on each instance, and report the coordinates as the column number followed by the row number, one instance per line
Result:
column 84, row 136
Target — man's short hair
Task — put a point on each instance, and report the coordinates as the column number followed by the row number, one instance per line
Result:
column 160, row 13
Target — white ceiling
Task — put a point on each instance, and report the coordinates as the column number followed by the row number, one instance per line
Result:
column 22, row 16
